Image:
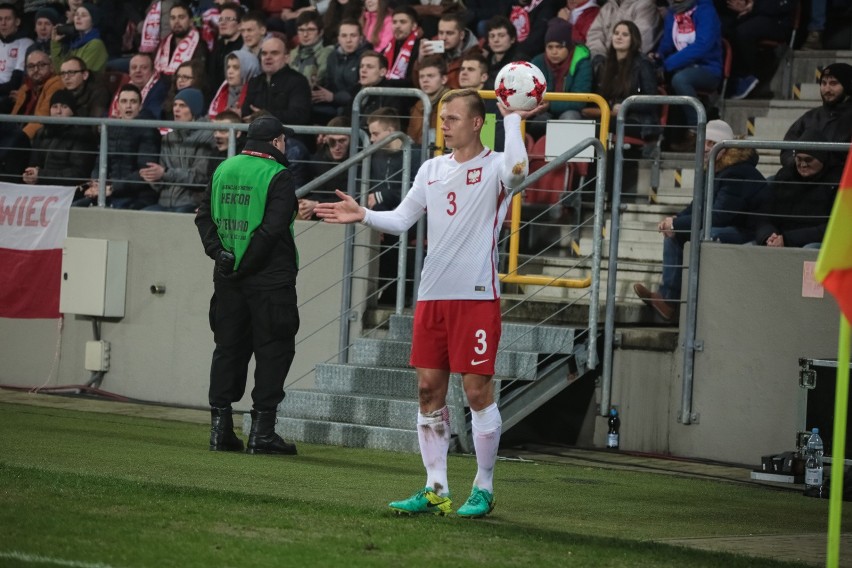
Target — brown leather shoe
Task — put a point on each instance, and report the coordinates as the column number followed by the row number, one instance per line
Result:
column 656, row 301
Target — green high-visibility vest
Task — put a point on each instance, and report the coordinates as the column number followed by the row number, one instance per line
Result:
column 238, row 199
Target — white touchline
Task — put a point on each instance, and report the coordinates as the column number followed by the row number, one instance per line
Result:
column 24, row 557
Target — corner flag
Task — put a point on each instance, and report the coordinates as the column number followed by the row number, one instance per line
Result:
column 834, row 265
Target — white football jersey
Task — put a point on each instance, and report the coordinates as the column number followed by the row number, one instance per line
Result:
column 12, row 57
column 466, row 205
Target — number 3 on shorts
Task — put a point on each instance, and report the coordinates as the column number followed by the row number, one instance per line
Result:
column 481, row 344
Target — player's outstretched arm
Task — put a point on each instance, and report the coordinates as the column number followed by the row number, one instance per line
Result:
column 346, row 210
column 524, row 114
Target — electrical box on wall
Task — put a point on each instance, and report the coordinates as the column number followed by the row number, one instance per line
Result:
column 94, row 277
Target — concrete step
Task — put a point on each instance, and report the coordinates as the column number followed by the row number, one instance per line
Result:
column 387, row 353
column 514, row 337
column 359, row 379
column 371, row 410
column 343, row 434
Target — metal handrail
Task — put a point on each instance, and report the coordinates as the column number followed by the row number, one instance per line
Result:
column 106, row 123
column 691, row 324
column 346, row 165
column 424, row 155
column 618, row 173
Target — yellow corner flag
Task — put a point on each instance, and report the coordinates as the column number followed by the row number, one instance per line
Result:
column 834, row 265
column 834, row 271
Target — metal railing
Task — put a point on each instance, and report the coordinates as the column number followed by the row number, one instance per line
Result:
column 618, row 172
column 700, row 230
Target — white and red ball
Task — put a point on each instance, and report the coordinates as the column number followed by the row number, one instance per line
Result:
column 520, row 85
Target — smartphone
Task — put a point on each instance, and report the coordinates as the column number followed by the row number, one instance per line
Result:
column 437, row 45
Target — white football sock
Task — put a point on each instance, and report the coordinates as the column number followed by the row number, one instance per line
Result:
column 486, row 440
column 433, row 433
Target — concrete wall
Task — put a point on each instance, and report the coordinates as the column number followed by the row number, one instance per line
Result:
column 755, row 325
column 161, row 349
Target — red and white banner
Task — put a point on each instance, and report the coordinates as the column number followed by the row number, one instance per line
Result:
column 33, row 227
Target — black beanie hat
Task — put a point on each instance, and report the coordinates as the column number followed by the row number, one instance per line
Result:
column 64, row 97
column 814, row 135
column 843, row 73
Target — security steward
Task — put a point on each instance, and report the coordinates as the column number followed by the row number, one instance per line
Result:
column 246, row 225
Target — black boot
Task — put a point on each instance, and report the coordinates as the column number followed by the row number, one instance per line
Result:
column 222, row 437
column 263, row 439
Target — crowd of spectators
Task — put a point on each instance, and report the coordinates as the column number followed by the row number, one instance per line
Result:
column 304, row 61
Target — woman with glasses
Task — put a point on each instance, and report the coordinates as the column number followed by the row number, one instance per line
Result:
column 189, row 74
column 310, row 57
column 84, row 42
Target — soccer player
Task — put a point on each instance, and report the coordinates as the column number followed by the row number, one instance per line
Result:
column 457, row 318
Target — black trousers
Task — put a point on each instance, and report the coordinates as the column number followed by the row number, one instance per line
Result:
column 246, row 322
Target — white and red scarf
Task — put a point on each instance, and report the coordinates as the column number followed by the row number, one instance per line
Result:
column 683, row 30
column 151, row 29
column 398, row 62
column 220, row 99
column 520, row 17
column 167, row 63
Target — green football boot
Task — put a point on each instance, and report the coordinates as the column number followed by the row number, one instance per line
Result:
column 424, row 501
column 479, row 504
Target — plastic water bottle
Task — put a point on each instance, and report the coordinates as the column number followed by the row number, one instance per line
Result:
column 614, row 423
column 813, row 464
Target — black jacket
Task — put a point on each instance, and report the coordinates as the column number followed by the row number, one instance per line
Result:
column 287, row 95
column 342, row 74
column 807, row 203
column 271, row 260
column 129, row 150
column 64, row 154
column 835, row 122
column 386, row 176
column 738, row 192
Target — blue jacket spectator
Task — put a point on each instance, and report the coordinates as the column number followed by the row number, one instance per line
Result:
column 691, row 50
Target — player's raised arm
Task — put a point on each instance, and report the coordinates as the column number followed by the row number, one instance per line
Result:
column 515, row 160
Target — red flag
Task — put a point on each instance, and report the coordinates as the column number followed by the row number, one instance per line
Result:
column 33, row 227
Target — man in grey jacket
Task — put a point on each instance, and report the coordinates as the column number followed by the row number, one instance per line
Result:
column 181, row 175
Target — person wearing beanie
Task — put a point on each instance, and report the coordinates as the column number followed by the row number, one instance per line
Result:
column 559, row 31
column 84, row 43
column 45, row 20
column 738, row 194
column 193, row 99
column 799, row 200
column 834, row 117
column 62, row 154
column 181, row 174
column 245, row 221
column 567, row 68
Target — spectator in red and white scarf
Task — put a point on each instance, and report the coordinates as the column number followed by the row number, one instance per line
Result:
column 240, row 67
column 402, row 52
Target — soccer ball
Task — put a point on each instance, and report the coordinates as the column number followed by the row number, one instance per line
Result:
column 520, row 85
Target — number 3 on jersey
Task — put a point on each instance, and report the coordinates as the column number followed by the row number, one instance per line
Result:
column 481, row 344
column 451, row 197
